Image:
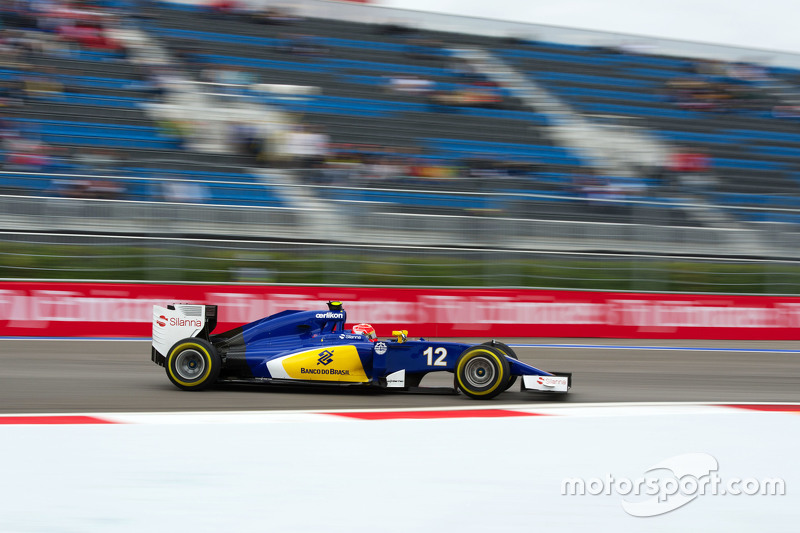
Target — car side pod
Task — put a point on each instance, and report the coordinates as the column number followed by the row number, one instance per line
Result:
column 557, row 382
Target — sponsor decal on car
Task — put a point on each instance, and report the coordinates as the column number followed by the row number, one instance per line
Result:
column 341, row 363
column 194, row 322
column 325, row 371
column 161, row 321
column 330, row 314
column 381, row 348
column 348, row 336
column 552, row 381
column 325, row 358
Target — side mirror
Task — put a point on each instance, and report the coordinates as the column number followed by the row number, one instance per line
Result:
column 401, row 335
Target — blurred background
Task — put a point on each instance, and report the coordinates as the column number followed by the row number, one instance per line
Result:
column 331, row 143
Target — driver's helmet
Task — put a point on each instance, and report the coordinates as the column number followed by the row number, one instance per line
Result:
column 366, row 329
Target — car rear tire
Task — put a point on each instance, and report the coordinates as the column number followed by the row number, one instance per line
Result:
column 506, row 351
column 482, row 372
column 193, row 364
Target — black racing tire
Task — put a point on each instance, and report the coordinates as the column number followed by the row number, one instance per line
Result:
column 482, row 372
column 510, row 353
column 193, row 364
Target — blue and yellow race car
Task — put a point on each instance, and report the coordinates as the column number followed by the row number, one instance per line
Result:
column 313, row 347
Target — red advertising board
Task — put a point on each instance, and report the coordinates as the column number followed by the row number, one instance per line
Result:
column 125, row 310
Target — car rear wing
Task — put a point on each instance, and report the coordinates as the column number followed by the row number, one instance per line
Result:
column 179, row 321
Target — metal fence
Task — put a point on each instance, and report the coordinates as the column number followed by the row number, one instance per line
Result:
column 36, row 255
column 639, row 230
column 337, row 235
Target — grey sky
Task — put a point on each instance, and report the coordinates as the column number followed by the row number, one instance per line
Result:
column 763, row 24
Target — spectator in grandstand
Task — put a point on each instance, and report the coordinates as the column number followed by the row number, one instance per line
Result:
column 41, row 85
column 395, row 28
column 70, row 187
column 98, row 162
column 226, row 8
column 410, row 84
column 21, row 42
column 11, row 92
column 60, row 161
column 464, row 69
column 155, row 83
column 720, row 86
column 17, row 46
column 25, row 154
column 106, row 189
column 91, row 177
column 307, row 146
column 703, row 94
column 9, row 55
column 382, row 169
column 747, row 72
column 690, row 170
column 602, row 194
column 424, row 49
column 246, row 140
column 786, row 111
column 91, row 34
column 428, row 169
column 177, row 189
column 275, row 16
column 7, row 129
column 485, row 167
column 15, row 14
column 180, row 130
column 48, row 27
column 302, row 45
column 478, row 95
column 586, row 184
column 397, row 167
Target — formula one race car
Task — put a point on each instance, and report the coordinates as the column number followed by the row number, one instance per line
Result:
column 313, row 347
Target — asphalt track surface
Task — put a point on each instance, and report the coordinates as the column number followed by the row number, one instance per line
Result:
column 52, row 376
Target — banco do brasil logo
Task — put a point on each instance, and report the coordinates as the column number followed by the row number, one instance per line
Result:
column 325, row 358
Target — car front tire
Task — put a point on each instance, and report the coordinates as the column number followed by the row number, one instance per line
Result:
column 508, row 352
column 482, row 372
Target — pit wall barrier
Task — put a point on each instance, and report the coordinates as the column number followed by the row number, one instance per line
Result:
column 125, row 310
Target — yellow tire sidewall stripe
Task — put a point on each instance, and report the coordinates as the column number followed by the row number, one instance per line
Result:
column 179, row 349
column 465, row 359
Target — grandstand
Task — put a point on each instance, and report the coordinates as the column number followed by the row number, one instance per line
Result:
column 411, row 126
column 94, row 119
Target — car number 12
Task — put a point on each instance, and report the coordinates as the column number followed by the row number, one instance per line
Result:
column 440, row 354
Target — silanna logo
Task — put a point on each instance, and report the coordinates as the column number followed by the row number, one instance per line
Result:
column 162, row 321
column 325, row 358
column 552, row 381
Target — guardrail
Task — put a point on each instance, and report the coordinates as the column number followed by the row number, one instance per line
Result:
column 352, row 221
column 172, row 259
